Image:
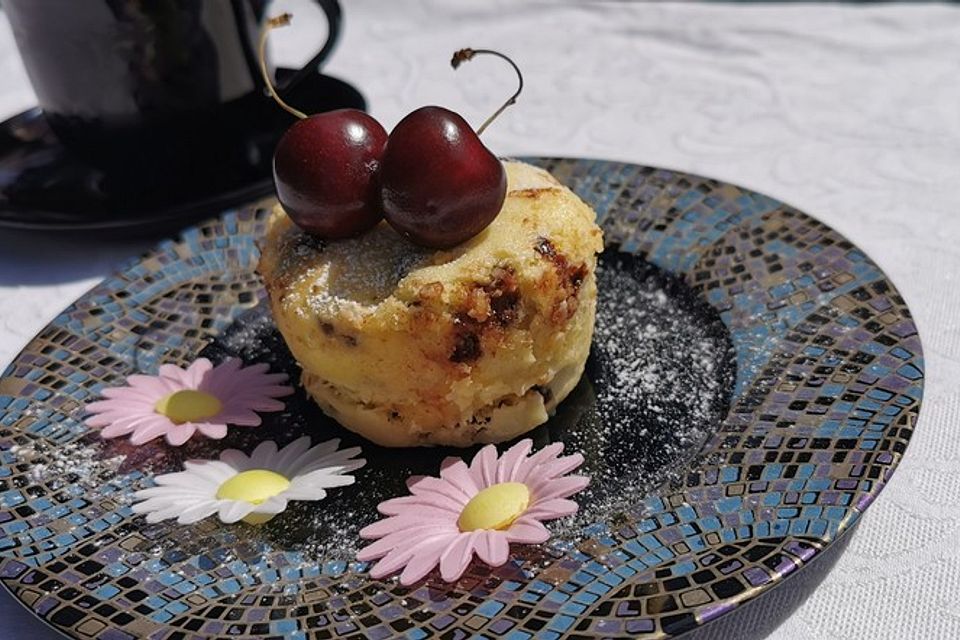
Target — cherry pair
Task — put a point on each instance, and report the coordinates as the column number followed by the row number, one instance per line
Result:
column 338, row 173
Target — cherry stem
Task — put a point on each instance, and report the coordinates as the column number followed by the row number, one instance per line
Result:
column 272, row 23
column 463, row 55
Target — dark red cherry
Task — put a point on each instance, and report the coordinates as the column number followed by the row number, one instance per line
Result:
column 325, row 170
column 439, row 184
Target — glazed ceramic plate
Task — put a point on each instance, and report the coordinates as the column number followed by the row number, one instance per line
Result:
column 753, row 383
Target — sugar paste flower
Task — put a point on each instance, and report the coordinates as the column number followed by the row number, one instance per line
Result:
column 251, row 488
column 179, row 402
column 478, row 509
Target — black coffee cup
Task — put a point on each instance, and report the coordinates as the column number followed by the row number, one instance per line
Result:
column 152, row 91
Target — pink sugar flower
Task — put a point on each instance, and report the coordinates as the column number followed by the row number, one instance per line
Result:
column 479, row 509
column 180, row 402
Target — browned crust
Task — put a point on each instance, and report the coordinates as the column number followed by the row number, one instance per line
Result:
column 487, row 310
column 531, row 193
column 565, row 280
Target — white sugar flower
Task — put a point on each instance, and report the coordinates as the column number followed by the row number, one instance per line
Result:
column 251, row 488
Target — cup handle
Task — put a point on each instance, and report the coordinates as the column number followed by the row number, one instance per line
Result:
column 331, row 8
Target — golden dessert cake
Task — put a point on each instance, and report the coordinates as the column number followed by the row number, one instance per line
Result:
column 410, row 346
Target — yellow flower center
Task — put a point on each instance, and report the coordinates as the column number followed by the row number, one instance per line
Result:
column 188, row 406
column 253, row 486
column 496, row 507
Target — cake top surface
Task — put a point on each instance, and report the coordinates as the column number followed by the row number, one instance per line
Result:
column 361, row 276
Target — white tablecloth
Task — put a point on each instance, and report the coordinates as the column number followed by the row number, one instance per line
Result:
column 851, row 113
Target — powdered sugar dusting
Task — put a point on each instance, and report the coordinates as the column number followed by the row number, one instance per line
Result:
column 357, row 273
column 74, row 463
column 661, row 372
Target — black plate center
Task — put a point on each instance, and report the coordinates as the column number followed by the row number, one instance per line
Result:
column 657, row 384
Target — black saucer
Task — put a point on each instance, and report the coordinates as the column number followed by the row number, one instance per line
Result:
column 43, row 187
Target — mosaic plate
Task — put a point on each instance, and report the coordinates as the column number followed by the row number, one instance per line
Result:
column 788, row 379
